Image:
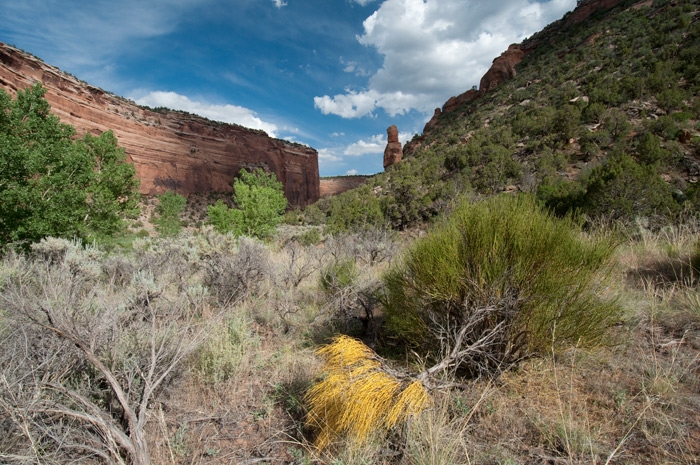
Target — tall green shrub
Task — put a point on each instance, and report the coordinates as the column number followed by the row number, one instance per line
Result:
column 503, row 267
column 261, row 204
column 169, row 209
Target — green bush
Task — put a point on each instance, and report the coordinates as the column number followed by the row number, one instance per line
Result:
column 261, row 204
column 168, row 222
column 338, row 275
column 310, row 237
column 622, row 189
column 52, row 184
column 649, row 150
column 354, row 210
column 502, row 267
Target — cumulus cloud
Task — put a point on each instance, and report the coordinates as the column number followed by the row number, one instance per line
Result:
column 328, row 156
column 351, row 172
column 376, row 144
column 363, row 2
column 434, row 49
column 227, row 113
column 279, row 3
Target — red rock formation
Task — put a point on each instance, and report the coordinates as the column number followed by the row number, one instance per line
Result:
column 170, row 150
column 586, row 8
column 433, row 121
column 502, row 69
column 455, row 102
column 393, row 151
column 340, row 184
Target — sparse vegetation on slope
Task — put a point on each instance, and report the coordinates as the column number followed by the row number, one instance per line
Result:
column 602, row 118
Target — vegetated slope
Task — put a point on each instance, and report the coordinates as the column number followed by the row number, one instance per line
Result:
column 602, row 116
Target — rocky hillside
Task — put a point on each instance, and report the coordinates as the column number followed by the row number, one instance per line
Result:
column 598, row 113
column 171, row 150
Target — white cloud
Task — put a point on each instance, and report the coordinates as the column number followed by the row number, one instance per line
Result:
column 328, row 156
column 354, row 68
column 363, row 2
column 434, row 49
column 279, row 3
column 376, row 145
column 217, row 112
column 351, row 172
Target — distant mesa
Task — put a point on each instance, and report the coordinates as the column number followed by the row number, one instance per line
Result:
column 393, row 151
column 170, row 150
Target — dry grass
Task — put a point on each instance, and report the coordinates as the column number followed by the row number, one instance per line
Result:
column 357, row 397
column 240, row 397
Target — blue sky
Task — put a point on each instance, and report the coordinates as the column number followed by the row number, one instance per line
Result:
column 332, row 74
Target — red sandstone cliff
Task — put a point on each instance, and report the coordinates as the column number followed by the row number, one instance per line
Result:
column 170, row 150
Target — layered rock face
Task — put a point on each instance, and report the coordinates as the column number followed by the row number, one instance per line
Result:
column 393, row 151
column 170, row 150
column 340, row 184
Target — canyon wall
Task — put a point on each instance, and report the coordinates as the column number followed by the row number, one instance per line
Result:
column 340, row 184
column 170, row 150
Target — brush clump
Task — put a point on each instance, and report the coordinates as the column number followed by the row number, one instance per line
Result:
column 358, row 395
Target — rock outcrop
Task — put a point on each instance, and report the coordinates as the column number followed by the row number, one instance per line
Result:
column 393, row 151
column 170, row 150
column 502, row 69
column 586, row 8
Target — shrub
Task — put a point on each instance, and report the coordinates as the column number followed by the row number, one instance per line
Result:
column 310, row 237
column 359, row 395
column 354, row 210
column 622, row 189
column 649, row 150
column 261, row 204
column 499, row 280
column 233, row 275
column 338, row 275
column 224, row 353
column 169, row 209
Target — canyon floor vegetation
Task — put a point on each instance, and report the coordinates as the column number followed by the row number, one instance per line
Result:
column 207, row 348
